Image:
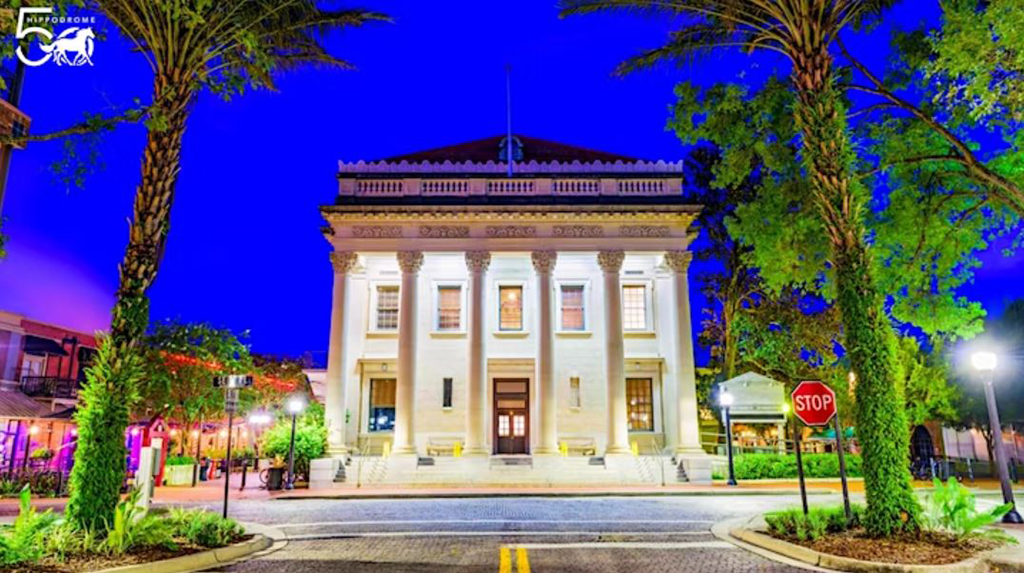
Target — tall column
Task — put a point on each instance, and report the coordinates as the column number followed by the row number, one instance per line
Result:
column 405, row 393
column 544, row 263
column 334, row 412
column 615, row 353
column 688, row 427
column 476, row 378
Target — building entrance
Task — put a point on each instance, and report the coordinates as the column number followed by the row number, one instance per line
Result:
column 511, row 416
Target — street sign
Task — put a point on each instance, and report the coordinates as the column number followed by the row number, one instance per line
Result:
column 232, row 381
column 814, row 403
column 231, row 401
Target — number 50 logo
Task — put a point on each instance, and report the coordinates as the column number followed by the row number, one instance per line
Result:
column 72, row 41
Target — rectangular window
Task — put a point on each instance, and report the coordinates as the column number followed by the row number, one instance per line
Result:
column 449, row 308
column 511, row 308
column 503, row 426
column 574, row 392
column 387, row 308
column 572, row 308
column 640, row 404
column 634, row 307
column 382, row 405
column 446, row 399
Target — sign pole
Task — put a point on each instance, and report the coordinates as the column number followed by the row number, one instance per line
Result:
column 842, row 466
column 227, row 465
column 799, row 465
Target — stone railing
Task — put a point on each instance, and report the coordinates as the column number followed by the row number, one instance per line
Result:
column 396, row 187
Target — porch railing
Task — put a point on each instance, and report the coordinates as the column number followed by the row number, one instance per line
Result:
column 49, row 387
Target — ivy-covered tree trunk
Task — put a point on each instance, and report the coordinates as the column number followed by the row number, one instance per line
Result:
column 111, row 382
column 820, row 116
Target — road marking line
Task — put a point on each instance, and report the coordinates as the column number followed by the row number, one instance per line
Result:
column 504, row 560
column 522, row 560
column 358, row 534
column 474, row 521
column 630, row 545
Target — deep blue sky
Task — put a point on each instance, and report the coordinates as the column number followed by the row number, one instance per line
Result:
column 245, row 249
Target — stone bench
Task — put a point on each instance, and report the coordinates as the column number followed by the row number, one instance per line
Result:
column 443, row 446
column 578, row 446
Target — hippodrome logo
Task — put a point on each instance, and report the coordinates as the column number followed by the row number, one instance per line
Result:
column 73, row 46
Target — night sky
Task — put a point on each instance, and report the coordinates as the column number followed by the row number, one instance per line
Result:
column 245, row 250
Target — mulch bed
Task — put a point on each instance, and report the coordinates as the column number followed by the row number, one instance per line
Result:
column 81, row 563
column 926, row 548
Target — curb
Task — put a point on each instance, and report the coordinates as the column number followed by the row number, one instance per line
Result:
column 610, row 493
column 262, row 544
column 776, row 548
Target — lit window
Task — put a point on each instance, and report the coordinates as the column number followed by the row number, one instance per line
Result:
column 574, row 392
column 449, row 308
column 387, row 308
column 639, row 404
column 572, row 308
column 503, row 429
column 634, row 307
column 519, row 425
column 382, row 405
column 511, row 308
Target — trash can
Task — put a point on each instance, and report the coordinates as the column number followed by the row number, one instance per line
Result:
column 204, row 468
column 275, row 478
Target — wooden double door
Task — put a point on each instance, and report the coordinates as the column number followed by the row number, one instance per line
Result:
column 511, row 416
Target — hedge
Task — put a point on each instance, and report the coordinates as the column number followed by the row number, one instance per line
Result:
column 778, row 466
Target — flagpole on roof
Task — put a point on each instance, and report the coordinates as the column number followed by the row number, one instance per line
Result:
column 509, row 156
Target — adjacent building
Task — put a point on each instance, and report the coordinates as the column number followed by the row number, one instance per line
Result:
column 519, row 317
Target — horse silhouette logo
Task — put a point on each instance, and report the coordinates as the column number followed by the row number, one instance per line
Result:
column 74, row 40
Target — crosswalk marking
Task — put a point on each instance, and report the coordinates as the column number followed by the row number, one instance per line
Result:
column 358, row 534
column 478, row 521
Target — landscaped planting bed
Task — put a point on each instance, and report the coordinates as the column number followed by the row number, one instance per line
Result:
column 45, row 542
column 954, row 531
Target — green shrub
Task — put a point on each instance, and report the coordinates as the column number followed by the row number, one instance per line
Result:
column 180, row 461
column 102, row 417
column 22, row 542
column 793, row 524
column 41, row 453
column 951, row 508
column 204, row 528
column 310, row 441
column 133, row 528
column 783, row 466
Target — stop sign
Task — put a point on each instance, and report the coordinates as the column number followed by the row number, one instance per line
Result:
column 814, row 403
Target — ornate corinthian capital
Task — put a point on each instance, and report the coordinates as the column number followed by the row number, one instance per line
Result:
column 610, row 261
column 410, row 261
column 544, row 261
column 478, row 261
column 678, row 261
column 343, row 261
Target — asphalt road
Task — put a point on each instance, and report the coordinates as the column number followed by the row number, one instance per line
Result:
column 633, row 534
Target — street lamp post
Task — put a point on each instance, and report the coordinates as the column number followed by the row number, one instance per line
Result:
column 985, row 362
column 725, row 399
column 295, row 406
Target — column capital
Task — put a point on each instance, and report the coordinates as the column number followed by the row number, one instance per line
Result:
column 544, row 261
column 678, row 261
column 478, row 261
column 611, row 261
column 410, row 261
column 343, row 261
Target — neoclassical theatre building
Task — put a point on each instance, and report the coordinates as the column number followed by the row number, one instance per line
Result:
column 500, row 326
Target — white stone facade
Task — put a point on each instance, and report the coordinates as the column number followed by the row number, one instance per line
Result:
column 584, row 301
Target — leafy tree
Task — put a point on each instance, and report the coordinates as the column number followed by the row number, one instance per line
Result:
column 190, row 45
column 927, row 388
column 829, row 205
column 180, row 362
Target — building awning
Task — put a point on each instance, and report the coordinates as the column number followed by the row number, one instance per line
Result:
column 14, row 404
column 40, row 346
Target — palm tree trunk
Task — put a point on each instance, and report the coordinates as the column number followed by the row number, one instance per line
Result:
column 881, row 417
column 111, row 387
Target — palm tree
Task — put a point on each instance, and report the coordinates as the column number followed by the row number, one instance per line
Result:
column 223, row 46
column 804, row 31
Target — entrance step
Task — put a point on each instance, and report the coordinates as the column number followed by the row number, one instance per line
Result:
column 421, row 461
column 518, row 461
